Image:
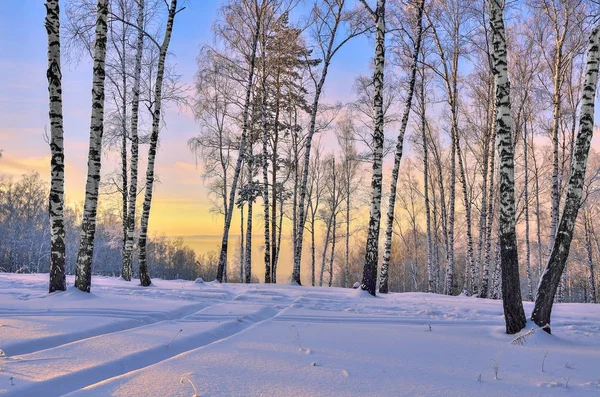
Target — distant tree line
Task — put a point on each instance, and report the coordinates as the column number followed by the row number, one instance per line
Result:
column 25, row 244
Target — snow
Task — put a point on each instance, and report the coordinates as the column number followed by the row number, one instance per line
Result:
column 281, row 340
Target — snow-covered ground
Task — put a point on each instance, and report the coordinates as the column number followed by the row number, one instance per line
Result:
column 281, row 340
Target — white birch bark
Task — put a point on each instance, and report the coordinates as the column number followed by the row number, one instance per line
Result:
column 83, row 276
column 526, row 199
column 587, row 224
column 127, row 271
column 330, row 51
column 560, row 250
column 265, row 153
column 156, row 115
column 243, row 139
column 514, row 314
column 57, row 162
column 369, row 279
column 387, row 250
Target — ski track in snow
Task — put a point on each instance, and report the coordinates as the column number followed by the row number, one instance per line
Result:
column 280, row 340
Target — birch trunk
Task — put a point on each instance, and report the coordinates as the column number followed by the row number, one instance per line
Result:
column 248, row 256
column 431, row 279
column 514, row 314
column 238, row 165
column 83, row 276
column 369, row 279
column 469, row 262
column 330, row 51
column 526, row 198
column 325, row 247
column 127, row 270
column 484, row 290
column 333, row 239
column 483, row 215
column 560, row 250
column 242, row 256
column 590, row 259
column 265, row 153
column 144, row 276
column 347, row 253
column 387, row 250
column 57, row 162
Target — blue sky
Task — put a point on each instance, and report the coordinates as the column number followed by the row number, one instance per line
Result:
column 180, row 202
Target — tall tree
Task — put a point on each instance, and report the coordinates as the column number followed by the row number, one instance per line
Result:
column 369, row 279
column 560, row 250
column 514, row 314
column 127, row 269
column 255, row 10
column 156, row 118
column 83, row 279
column 329, row 16
column 383, row 283
column 57, row 163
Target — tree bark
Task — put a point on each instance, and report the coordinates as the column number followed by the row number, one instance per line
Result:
column 514, row 314
column 369, row 279
column 57, row 162
column 238, row 166
column 265, row 152
column 587, row 224
column 83, row 276
column 144, row 276
column 127, row 270
column 330, row 51
column 387, row 250
column 560, row 250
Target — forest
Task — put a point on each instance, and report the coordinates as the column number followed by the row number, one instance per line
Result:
column 463, row 165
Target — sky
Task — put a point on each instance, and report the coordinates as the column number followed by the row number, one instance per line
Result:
column 180, row 206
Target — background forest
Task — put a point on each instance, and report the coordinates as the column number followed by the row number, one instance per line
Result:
column 289, row 166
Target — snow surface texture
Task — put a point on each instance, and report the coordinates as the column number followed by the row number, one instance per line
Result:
column 281, row 340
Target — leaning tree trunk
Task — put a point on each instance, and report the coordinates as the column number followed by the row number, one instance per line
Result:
column 83, row 275
column 369, row 279
column 387, row 250
column 143, row 239
column 57, row 163
column 127, row 269
column 333, row 238
column 514, row 314
column 238, row 165
column 560, row 251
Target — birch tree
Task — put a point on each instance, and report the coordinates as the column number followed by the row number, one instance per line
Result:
column 369, row 278
column 560, row 250
column 387, row 250
column 254, row 24
column 329, row 19
column 156, row 118
column 127, row 269
column 57, row 163
column 514, row 314
column 83, row 276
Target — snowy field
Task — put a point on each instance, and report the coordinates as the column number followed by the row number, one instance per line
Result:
column 281, row 340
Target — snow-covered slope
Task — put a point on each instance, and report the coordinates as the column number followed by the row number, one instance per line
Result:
column 281, row 340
